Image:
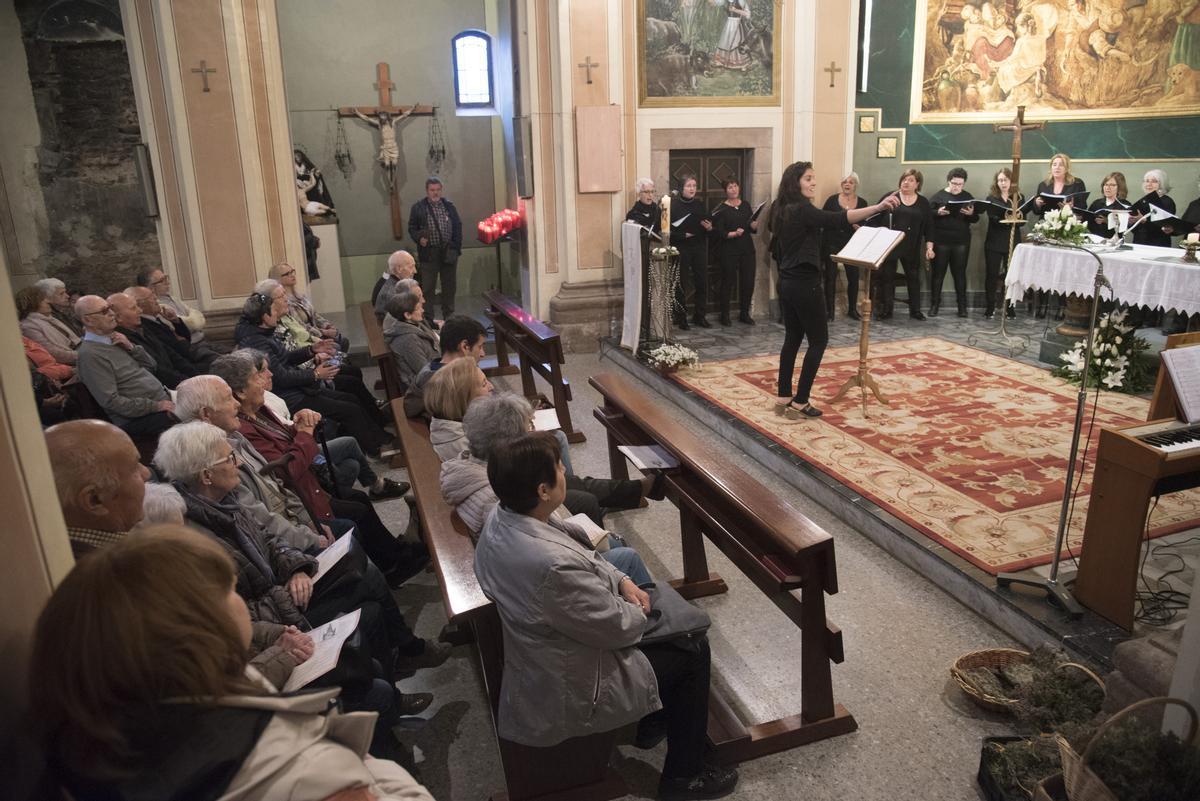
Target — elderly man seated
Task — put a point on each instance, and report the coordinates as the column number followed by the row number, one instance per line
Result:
column 413, row 342
column 170, row 368
column 119, row 374
column 401, row 266
column 198, row 354
column 187, row 322
column 99, row 481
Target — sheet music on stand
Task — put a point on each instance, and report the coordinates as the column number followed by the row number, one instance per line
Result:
column 1183, row 365
column 869, row 247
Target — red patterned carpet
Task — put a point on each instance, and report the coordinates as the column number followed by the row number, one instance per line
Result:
column 971, row 452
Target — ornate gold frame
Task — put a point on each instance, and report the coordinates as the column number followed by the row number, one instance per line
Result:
column 645, row 101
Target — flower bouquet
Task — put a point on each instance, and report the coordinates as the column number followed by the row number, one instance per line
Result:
column 1061, row 225
column 1116, row 357
column 668, row 358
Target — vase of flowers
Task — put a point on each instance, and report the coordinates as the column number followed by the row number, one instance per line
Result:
column 669, row 358
column 1062, row 226
column 1117, row 362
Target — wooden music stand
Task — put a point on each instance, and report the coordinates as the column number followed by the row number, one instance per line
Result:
column 862, row 379
column 1164, row 401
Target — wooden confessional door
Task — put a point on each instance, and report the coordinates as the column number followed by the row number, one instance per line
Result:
column 711, row 169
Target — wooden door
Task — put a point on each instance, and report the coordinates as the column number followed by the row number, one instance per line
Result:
column 711, row 168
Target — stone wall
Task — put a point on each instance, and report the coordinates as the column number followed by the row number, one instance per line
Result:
column 98, row 235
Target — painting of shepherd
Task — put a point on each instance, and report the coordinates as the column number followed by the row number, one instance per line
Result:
column 708, row 52
column 977, row 60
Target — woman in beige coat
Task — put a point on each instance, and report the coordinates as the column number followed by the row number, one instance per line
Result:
column 142, row 691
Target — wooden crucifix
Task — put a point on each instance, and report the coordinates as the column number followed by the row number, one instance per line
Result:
column 1018, row 126
column 385, row 116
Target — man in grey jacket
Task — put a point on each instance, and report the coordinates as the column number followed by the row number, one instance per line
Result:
column 118, row 373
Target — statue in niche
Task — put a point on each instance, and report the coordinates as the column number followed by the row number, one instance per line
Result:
column 311, row 192
column 389, row 150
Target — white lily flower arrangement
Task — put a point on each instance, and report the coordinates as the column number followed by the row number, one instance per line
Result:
column 1061, row 225
column 1116, row 357
column 672, row 357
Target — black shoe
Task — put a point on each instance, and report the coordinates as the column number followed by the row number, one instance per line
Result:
column 917, row 315
column 702, row 322
column 933, row 310
column 410, row 704
column 1060, row 314
column 887, row 315
column 1011, row 312
column 651, row 731
column 658, row 490
column 1040, row 313
column 711, row 782
column 989, row 315
column 435, row 653
column 829, row 317
column 747, row 319
column 391, row 489
column 853, row 315
column 725, row 321
column 683, row 325
column 962, row 312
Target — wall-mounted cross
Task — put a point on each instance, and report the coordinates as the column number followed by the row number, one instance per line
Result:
column 587, row 65
column 832, row 69
column 204, row 71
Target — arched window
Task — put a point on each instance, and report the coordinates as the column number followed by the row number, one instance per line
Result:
column 472, row 51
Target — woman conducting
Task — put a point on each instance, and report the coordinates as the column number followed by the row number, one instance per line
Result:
column 573, row 624
column 797, row 224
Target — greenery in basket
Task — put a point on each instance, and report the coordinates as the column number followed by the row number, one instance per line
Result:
column 1047, row 695
column 1061, row 225
column 668, row 356
column 1018, row 766
column 1116, row 357
column 1139, row 763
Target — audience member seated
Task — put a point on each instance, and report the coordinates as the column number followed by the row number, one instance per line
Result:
column 61, row 306
column 119, row 374
column 246, row 373
column 275, row 578
column 413, row 342
column 293, row 335
column 460, row 336
column 39, row 324
column 99, row 481
column 197, row 354
column 489, row 422
column 566, row 611
column 447, row 396
column 188, row 322
column 302, row 311
column 401, row 266
column 162, row 504
column 310, row 388
column 55, row 404
column 142, row 690
column 42, row 362
column 170, row 367
column 208, row 398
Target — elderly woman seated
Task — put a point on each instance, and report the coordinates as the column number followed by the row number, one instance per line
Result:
column 413, row 342
column 142, row 689
column 247, row 373
column 454, row 387
column 573, row 627
column 275, row 578
column 301, row 312
column 489, row 422
column 348, row 402
column 39, row 324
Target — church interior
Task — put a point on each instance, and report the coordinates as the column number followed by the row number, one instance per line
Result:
column 953, row 563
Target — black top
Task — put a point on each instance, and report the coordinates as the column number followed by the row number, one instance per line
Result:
column 1048, row 186
column 996, row 238
column 1099, row 209
column 647, row 214
column 1149, row 232
column 799, row 231
column 1192, row 217
column 835, row 237
column 955, row 227
column 692, row 212
column 913, row 220
column 727, row 219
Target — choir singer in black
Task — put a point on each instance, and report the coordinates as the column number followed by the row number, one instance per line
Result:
column 953, row 215
column 833, row 239
column 1113, row 199
column 995, row 243
column 735, row 227
column 913, row 216
column 645, row 211
column 689, row 234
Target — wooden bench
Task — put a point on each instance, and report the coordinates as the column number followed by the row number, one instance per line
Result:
column 576, row 769
column 378, row 350
column 772, row 543
column 539, row 350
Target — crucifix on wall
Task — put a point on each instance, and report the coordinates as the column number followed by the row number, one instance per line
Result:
column 832, row 69
column 386, row 117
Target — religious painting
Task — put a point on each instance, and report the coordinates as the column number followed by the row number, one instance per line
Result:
column 708, row 52
column 977, row 60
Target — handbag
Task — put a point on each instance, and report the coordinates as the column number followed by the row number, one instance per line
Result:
column 671, row 618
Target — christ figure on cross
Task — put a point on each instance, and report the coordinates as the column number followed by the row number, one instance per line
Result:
column 389, row 149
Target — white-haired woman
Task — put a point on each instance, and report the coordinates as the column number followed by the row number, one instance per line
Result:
column 834, row 238
column 61, row 306
column 301, row 309
column 1150, row 232
column 645, row 210
column 413, row 342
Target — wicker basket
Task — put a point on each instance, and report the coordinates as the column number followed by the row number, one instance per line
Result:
column 997, row 658
column 1082, row 783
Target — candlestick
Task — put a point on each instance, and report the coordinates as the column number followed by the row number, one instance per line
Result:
column 665, row 227
column 1193, row 237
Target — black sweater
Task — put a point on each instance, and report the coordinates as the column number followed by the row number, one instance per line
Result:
column 692, row 212
column 1149, row 232
column 954, row 228
column 835, row 237
column 727, row 219
column 1100, row 205
column 996, row 239
column 799, row 230
column 647, row 214
column 1048, row 186
column 913, row 220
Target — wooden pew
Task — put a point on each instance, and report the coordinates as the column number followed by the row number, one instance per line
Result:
column 539, row 350
column 772, row 543
column 380, row 352
column 575, row 770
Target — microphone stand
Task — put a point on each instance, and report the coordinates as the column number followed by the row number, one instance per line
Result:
column 1055, row 592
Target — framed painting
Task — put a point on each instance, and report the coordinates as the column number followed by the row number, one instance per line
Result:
column 977, row 60
column 708, row 52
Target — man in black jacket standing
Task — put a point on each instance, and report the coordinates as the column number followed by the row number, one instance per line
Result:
column 436, row 227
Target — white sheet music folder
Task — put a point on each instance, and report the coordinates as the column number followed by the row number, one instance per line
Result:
column 869, row 247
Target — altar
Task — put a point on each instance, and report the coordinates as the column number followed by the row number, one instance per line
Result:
column 1144, row 276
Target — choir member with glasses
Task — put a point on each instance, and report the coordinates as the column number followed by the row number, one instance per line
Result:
column 1113, row 199
column 1154, row 232
column 689, row 234
column 950, row 234
column 995, row 243
column 834, row 238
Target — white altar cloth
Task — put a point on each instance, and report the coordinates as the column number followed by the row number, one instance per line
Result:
column 1138, row 277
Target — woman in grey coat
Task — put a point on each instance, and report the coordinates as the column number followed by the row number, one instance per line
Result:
column 413, row 342
column 573, row 624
